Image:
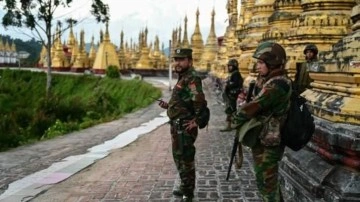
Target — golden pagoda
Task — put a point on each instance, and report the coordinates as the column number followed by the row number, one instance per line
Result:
column 82, row 61
column 156, row 54
column 315, row 24
column 144, row 61
column 128, row 54
column 260, row 10
column 74, row 52
column 121, row 52
column 163, row 58
column 106, row 55
column 174, row 41
column 179, row 42
column 43, row 55
column 280, row 24
column 242, row 28
column 229, row 44
column 59, row 62
column 135, row 53
column 210, row 50
column 1, row 45
column 71, row 42
column 185, row 42
column 197, row 43
column 92, row 52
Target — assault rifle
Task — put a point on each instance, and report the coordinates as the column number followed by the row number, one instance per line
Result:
column 236, row 139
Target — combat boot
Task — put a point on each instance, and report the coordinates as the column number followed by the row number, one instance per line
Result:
column 227, row 128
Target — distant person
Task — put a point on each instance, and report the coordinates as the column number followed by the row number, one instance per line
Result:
column 233, row 87
column 183, row 109
column 302, row 79
column 272, row 99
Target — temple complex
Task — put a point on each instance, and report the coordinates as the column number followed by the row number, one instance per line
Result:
column 327, row 169
column 72, row 55
column 8, row 53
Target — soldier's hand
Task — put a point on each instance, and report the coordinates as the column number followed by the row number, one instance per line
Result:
column 190, row 124
column 163, row 104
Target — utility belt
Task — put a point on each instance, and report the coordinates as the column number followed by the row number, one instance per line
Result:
column 178, row 123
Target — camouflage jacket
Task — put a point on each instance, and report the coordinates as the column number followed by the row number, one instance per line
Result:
column 273, row 98
column 187, row 97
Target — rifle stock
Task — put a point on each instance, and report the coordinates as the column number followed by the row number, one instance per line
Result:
column 236, row 139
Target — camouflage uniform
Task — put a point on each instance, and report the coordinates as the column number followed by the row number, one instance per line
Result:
column 302, row 79
column 271, row 98
column 186, row 101
column 233, row 87
column 232, row 90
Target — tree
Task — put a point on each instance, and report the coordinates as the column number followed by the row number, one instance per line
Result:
column 38, row 15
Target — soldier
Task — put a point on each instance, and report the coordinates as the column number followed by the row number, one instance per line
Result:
column 233, row 87
column 272, row 100
column 183, row 109
column 302, row 79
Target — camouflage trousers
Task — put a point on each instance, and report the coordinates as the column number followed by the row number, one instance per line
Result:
column 266, row 162
column 183, row 151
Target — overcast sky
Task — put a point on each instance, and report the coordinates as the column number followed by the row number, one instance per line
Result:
column 161, row 17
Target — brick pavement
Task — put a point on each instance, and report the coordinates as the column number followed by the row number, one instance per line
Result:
column 144, row 170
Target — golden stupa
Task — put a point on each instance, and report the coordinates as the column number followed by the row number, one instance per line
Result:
column 197, row 43
column 59, row 60
column 185, row 42
column 92, row 52
column 144, row 60
column 82, row 61
column 261, row 10
column 121, row 52
column 229, row 45
column 210, row 50
column 106, row 55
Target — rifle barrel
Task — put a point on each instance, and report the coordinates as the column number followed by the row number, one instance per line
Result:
column 236, row 139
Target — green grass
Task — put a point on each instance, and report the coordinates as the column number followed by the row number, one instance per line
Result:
column 76, row 102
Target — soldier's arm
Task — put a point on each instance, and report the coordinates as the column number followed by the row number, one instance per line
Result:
column 197, row 95
column 267, row 99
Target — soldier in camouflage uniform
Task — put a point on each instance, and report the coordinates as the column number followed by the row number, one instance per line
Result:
column 302, row 79
column 272, row 93
column 183, row 109
column 233, row 87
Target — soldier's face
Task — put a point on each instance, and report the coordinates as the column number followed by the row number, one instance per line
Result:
column 182, row 64
column 309, row 54
column 262, row 68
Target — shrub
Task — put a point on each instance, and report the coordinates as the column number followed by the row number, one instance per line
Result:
column 112, row 72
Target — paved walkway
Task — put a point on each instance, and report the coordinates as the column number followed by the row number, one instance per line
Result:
column 141, row 171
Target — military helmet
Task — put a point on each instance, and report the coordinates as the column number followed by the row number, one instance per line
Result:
column 271, row 53
column 234, row 63
column 311, row 47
